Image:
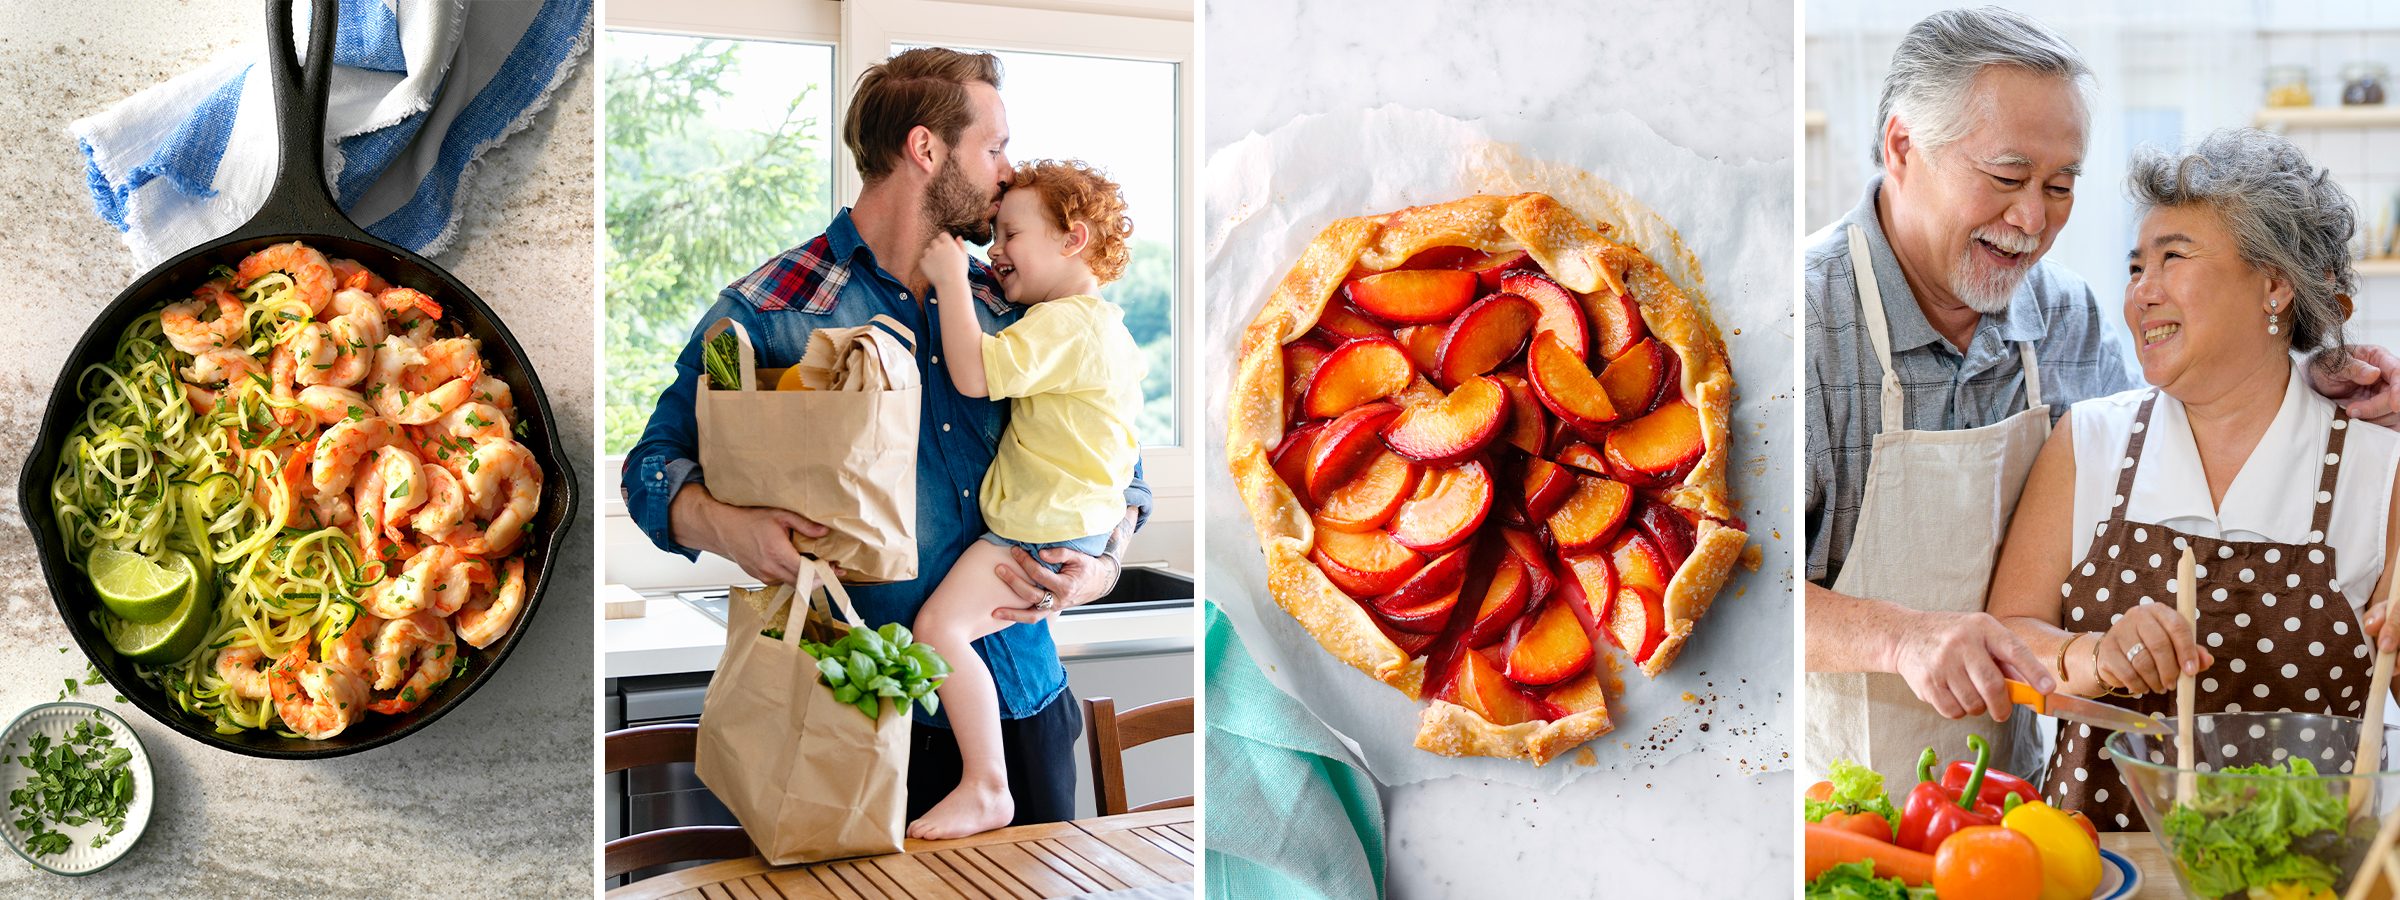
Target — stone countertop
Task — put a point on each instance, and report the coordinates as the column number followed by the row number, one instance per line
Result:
column 1721, row 86
column 493, row 799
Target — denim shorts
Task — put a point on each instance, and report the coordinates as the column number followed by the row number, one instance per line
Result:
column 1089, row 546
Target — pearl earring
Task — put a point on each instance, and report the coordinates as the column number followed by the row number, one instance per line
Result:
column 2272, row 328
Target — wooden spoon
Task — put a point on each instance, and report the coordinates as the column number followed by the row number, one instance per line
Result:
column 2370, row 734
column 2187, row 609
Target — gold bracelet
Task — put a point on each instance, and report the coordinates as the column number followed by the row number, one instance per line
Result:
column 2062, row 654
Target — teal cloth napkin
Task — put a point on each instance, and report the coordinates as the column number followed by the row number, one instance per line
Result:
column 1290, row 812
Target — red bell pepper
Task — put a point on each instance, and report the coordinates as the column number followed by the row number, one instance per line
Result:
column 1934, row 810
column 1997, row 785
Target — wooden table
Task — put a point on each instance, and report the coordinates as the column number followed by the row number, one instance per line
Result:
column 1062, row 859
column 2143, row 850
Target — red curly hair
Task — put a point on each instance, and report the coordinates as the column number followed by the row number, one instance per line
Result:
column 1072, row 192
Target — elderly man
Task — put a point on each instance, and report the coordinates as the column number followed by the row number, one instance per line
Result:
column 1940, row 349
column 929, row 136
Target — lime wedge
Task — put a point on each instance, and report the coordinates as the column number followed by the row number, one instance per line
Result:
column 171, row 638
column 137, row 588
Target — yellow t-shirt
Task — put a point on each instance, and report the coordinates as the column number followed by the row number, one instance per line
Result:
column 1076, row 376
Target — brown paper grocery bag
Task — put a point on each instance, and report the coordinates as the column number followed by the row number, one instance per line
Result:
column 845, row 459
column 808, row 776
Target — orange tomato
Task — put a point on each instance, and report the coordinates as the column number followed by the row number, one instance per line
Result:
column 1873, row 825
column 2086, row 823
column 1822, row 790
column 1987, row 862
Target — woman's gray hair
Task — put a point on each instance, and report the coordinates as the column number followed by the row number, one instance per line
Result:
column 2287, row 215
column 1933, row 71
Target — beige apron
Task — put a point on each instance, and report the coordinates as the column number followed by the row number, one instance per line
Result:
column 1936, row 506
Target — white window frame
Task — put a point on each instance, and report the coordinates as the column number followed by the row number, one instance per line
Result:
column 862, row 33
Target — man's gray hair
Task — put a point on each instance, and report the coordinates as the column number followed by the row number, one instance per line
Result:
column 1933, row 71
column 2288, row 217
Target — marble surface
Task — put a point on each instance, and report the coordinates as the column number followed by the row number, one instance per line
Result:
column 1721, row 87
column 494, row 798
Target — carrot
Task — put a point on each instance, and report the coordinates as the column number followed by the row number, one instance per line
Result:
column 1870, row 824
column 1829, row 846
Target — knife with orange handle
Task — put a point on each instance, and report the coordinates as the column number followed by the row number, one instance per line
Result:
column 2085, row 712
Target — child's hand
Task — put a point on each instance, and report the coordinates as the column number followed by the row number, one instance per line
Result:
column 945, row 257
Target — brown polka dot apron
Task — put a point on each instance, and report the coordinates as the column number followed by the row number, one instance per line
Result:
column 2284, row 636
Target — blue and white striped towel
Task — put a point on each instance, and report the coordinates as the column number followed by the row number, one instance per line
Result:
column 421, row 88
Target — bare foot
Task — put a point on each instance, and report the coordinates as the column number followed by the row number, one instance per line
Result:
column 973, row 807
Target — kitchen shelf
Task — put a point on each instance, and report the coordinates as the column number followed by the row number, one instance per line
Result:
column 2280, row 117
column 1814, row 121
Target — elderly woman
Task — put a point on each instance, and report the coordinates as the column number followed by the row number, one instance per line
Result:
column 2286, row 503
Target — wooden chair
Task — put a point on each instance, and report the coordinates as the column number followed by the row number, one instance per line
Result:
column 1107, row 734
column 658, row 745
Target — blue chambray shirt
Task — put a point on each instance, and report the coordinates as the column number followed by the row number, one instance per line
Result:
column 834, row 281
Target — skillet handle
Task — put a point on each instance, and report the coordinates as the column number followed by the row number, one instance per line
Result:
column 299, row 201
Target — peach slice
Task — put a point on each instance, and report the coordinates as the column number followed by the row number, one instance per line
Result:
column 1638, row 380
column 1547, row 486
column 1591, row 514
column 1579, row 455
column 1637, row 621
column 1341, row 323
column 1449, row 505
column 1369, row 498
column 1550, row 647
column 1300, row 361
column 1481, row 688
column 1409, row 643
column 1595, row 579
column 1503, row 601
column 1560, row 380
column 1345, row 444
column 1528, row 549
column 1423, row 603
column 1668, row 530
column 1489, row 333
column 1616, row 322
column 1292, row 456
column 1559, row 314
column 1580, row 694
column 1451, row 430
column 1660, row 447
column 1638, row 563
column 1445, row 258
column 1498, row 265
column 1424, row 346
column 1363, row 564
column 1359, row 372
column 1414, row 296
column 1525, row 415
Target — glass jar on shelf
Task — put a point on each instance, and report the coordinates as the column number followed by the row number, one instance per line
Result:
column 2287, row 86
column 2362, row 83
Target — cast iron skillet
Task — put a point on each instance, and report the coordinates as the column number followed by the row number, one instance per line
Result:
column 297, row 208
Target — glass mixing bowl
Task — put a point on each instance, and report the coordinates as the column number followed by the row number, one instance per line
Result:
column 2232, row 829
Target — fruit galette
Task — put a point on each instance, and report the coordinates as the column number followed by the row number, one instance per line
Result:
column 1475, row 438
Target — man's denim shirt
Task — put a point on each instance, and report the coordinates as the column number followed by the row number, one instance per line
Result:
column 834, row 281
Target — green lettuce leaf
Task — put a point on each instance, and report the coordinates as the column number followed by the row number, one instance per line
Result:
column 2239, row 833
column 1856, row 789
column 1857, row 881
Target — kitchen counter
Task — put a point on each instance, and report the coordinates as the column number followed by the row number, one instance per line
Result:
column 1720, row 85
column 493, row 799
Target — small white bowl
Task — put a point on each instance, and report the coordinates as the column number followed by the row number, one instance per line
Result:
column 55, row 720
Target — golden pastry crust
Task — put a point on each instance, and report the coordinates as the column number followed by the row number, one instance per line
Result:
column 1579, row 259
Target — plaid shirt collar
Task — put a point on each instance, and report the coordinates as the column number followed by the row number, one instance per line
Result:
column 810, row 277
column 2022, row 321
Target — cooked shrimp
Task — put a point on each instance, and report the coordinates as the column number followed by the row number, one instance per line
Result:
column 331, row 405
column 475, row 421
column 445, row 506
column 312, row 277
column 356, row 326
column 486, row 618
column 328, row 510
column 390, row 489
column 495, row 392
column 315, row 699
column 342, row 447
column 220, row 366
column 503, row 481
column 349, row 649
column 226, row 329
column 239, row 666
column 348, row 273
column 403, row 592
column 409, row 307
column 415, row 655
column 283, row 377
column 277, row 479
column 315, row 353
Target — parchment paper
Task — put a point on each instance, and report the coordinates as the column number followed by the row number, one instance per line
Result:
column 1267, row 198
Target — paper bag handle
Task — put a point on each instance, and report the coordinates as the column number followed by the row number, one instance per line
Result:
column 815, row 573
column 747, row 357
column 898, row 330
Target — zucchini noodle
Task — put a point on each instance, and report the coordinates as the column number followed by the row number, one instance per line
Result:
column 143, row 471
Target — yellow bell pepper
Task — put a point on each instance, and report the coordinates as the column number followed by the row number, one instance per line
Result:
column 2070, row 860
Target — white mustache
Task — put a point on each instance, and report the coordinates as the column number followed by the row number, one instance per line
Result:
column 2008, row 240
